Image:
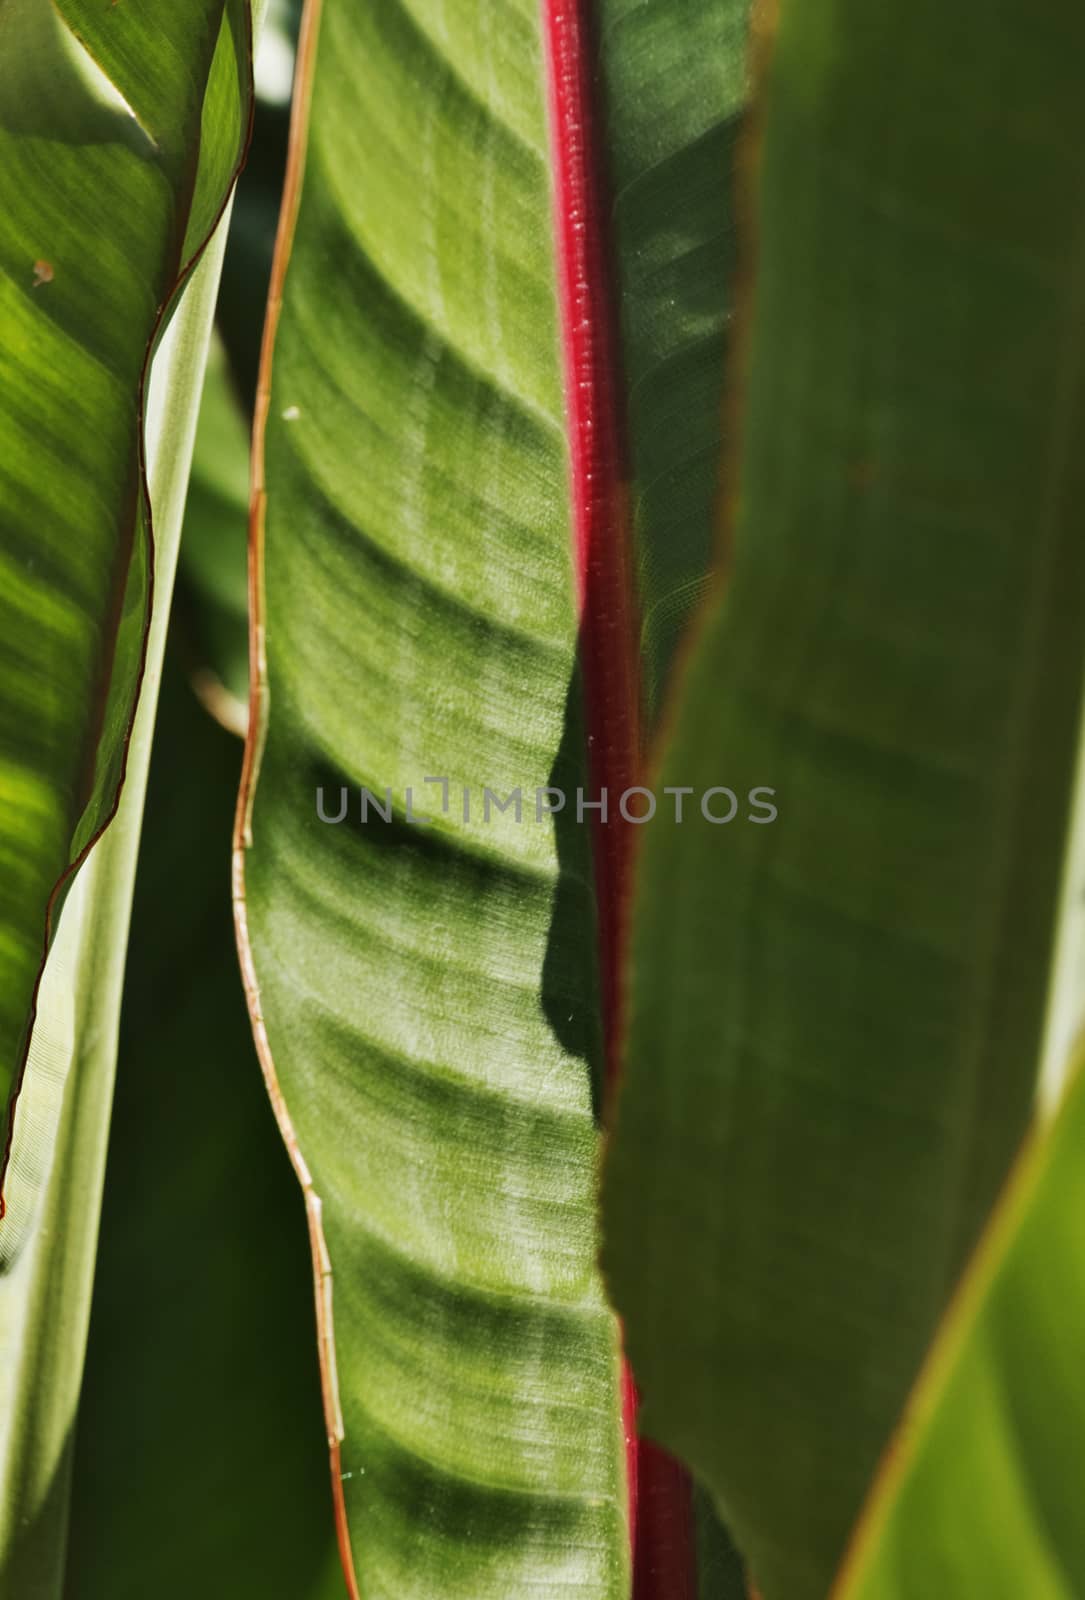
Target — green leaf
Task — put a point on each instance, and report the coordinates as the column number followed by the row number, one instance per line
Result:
column 48, row 1237
column 200, row 1455
column 980, row 1493
column 676, row 88
column 835, row 1018
column 53, row 1185
column 428, row 993
column 120, row 130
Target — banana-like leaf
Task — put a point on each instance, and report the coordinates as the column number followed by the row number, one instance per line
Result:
column 47, row 1239
column 120, row 130
column 425, row 996
column 200, row 1456
column 836, row 1015
column 53, row 1188
column 980, row 1494
column 676, row 80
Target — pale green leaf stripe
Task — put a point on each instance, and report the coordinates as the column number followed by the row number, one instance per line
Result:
column 120, row 128
column 836, row 1018
column 212, row 589
column 982, row 1494
column 429, row 995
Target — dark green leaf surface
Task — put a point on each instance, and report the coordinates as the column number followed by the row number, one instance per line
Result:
column 982, row 1493
column 120, row 127
column 200, row 1454
column 676, row 80
column 429, row 994
column 836, row 1017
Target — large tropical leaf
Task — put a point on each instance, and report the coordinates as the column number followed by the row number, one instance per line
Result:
column 120, row 130
column 53, row 1184
column 201, row 1337
column 980, row 1494
column 428, row 995
column 47, row 1240
column 835, row 1018
column 425, row 999
column 676, row 85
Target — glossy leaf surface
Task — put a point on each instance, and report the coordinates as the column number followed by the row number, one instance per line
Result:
column 48, row 1237
column 428, row 993
column 53, row 1183
column 120, row 130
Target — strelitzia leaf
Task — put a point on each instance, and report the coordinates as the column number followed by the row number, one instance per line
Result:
column 836, row 1016
column 425, row 998
column 120, row 130
column 435, row 624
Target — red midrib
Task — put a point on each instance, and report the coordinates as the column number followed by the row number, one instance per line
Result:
column 660, row 1511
